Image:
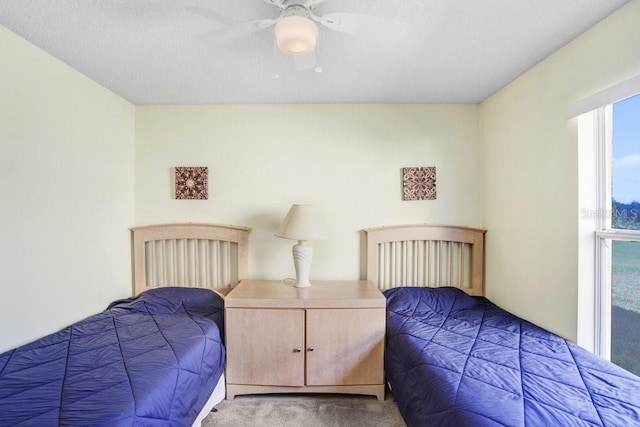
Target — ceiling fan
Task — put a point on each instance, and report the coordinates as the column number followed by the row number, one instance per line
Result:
column 296, row 32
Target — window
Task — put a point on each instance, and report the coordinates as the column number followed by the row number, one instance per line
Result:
column 618, row 233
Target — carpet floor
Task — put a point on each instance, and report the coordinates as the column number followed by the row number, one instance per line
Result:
column 306, row 411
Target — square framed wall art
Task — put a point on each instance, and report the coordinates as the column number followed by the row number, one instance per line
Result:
column 419, row 183
column 192, row 183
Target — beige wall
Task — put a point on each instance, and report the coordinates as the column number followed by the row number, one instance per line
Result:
column 345, row 159
column 530, row 174
column 66, row 179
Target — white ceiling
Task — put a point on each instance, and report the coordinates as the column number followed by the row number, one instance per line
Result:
column 453, row 51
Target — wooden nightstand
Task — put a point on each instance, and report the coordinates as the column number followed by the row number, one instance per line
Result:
column 328, row 338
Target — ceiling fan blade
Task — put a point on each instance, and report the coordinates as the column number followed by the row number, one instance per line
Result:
column 277, row 3
column 305, row 61
column 365, row 25
column 238, row 30
column 313, row 3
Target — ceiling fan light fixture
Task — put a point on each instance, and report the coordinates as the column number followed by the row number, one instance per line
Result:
column 296, row 35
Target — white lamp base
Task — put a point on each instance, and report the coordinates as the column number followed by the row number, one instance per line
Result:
column 302, row 255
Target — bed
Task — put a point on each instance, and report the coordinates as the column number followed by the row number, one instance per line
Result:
column 156, row 358
column 452, row 357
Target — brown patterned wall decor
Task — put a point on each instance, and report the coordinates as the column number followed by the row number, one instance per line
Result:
column 191, row 183
column 419, row 183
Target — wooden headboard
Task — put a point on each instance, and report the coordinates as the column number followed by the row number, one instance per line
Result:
column 189, row 255
column 426, row 255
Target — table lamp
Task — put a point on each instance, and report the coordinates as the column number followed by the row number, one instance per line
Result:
column 302, row 223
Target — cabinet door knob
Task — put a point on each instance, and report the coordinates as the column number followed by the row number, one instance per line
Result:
column 310, row 349
column 297, row 350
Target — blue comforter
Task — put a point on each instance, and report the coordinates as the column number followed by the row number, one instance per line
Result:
column 148, row 360
column 456, row 360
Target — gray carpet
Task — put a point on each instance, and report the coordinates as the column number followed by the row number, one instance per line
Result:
column 305, row 410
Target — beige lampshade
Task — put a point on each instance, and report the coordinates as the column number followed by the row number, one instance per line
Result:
column 296, row 35
column 302, row 223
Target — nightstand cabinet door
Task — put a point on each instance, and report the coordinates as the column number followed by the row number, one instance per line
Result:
column 345, row 346
column 267, row 346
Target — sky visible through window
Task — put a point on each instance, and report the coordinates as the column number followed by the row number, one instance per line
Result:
column 626, row 150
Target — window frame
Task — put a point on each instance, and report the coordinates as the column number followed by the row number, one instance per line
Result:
column 605, row 234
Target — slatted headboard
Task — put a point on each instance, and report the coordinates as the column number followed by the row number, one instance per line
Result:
column 426, row 255
column 189, row 255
